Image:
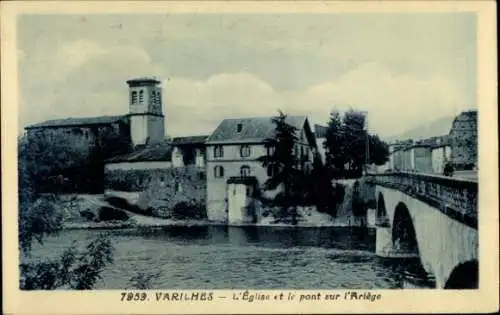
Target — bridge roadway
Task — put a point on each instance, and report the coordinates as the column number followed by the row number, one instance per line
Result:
column 431, row 217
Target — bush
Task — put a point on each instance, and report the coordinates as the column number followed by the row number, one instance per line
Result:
column 110, row 214
column 74, row 270
column 38, row 219
column 122, row 203
column 188, row 210
column 448, row 169
column 88, row 215
column 143, row 281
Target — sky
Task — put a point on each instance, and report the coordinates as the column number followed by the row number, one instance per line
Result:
column 404, row 70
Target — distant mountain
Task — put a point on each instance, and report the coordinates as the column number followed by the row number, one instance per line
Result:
column 437, row 127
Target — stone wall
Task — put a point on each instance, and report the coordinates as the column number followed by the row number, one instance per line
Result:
column 440, row 156
column 164, row 192
column 423, row 159
column 463, row 136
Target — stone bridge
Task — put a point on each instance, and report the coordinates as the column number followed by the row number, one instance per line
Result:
column 430, row 217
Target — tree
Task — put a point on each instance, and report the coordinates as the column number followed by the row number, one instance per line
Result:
column 379, row 150
column 109, row 143
column 348, row 144
column 354, row 137
column 39, row 216
column 318, row 189
column 281, row 164
column 45, row 160
column 334, row 144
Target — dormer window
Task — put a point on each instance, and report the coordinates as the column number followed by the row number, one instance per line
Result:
column 239, row 127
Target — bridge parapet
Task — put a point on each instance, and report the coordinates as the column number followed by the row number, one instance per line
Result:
column 454, row 197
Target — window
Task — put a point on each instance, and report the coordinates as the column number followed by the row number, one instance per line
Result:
column 245, row 151
column 239, row 127
column 245, row 170
column 218, row 171
column 141, row 96
column 134, row 97
column 218, row 151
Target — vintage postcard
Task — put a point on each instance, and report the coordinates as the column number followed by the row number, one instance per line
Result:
column 249, row 157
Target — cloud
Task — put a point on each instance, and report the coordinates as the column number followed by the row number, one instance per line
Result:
column 402, row 69
column 74, row 54
column 393, row 102
column 73, row 83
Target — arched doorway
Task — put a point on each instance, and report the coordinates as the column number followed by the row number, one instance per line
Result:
column 464, row 276
column 404, row 238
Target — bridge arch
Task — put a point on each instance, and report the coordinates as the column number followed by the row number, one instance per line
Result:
column 464, row 276
column 404, row 237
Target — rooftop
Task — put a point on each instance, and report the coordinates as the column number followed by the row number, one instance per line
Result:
column 143, row 81
column 149, row 153
column 191, row 140
column 257, row 129
column 74, row 122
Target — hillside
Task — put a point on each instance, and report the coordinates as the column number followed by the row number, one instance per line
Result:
column 437, row 127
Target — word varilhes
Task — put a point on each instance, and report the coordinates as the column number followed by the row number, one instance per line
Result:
column 167, row 296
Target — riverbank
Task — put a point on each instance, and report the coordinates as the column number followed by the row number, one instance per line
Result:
column 85, row 212
column 138, row 221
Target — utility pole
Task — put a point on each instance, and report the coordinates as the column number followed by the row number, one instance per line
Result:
column 367, row 152
column 367, row 149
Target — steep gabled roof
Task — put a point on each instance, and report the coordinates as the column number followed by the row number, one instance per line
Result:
column 149, row 153
column 253, row 129
column 79, row 121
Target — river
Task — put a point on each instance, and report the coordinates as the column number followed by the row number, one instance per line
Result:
column 221, row 257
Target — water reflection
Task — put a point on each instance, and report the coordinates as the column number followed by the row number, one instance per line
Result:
column 409, row 272
column 222, row 257
column 274, row 237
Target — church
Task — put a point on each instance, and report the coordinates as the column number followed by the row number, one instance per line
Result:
column 217, row 172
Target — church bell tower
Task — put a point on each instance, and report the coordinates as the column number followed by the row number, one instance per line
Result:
column 146, row 111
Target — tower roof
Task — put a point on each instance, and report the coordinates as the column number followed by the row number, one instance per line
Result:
column 143, row 81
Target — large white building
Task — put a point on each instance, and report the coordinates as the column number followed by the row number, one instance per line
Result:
column 232, row 152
